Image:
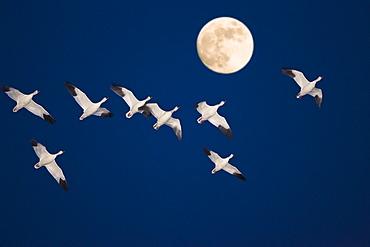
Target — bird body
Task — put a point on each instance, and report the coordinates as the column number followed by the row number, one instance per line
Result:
column 24, row 100
column 46, row 159
column 92, row 109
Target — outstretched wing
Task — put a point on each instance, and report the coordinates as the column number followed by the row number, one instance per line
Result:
column 298, row 76
column 154, row 109
column 103, row 112
column 175, row 124
column 38, row 110
column 126, row 94
column 201, row 106
column 40, row 149
column 317, row 94
column 58, row 175
column 234, row 171
column 212, row 155
column 12, row 92
column 78, row 95
column 221, row 123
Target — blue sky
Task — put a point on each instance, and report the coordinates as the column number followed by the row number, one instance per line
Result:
column 307, row 169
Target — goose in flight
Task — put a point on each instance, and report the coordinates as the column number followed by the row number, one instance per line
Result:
column 164, row 117
column 131, row 101
column 223, row 163
column 88, row 107
column 306, row 86
column 48, row 160
column 210, row 113
column 25, row 101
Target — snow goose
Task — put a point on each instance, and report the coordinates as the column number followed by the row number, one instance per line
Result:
column 164, row 117
column 25, row 101
column 210, row 113
column 131, row 100
column 88, row 107
column 306, row 86
column 223, row 163
column 48, row 160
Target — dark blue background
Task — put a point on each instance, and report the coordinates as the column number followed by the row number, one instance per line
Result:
column 307, row 169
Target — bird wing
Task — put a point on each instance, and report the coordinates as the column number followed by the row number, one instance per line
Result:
column 317, row 94
column 126, row 94
column 221, row 123
column 57, row 173
column 40, row 149
column 79, row 96
column 201, row 106
column 212, row 155
column 298, row 76
column 234, row 171
column 38, row 110
column 154, row 109
column 103, row 112
column 175, row 124
column 13, row 93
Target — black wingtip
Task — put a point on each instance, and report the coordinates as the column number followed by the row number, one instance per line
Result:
column 63, row 184
column 117, row 89
column 5, row 88
column 227, row 132
column 288, row 72
column 108, row 114
column 178, row 135
column 318, row 101
column 196, row 105
column 207, row 151
column 49, row 119
column 238, row 175
column 70, row 88
column 34, row 142
column 146, row 111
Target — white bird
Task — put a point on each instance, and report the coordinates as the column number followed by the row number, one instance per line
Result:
column 210, row 113
column 48, row 160
column 131, row 101
column 164, row 117
column 223, row 163
column 89, row 107
column 25, row 101
column 307, row 87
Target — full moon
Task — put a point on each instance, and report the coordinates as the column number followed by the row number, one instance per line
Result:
column 225, row 45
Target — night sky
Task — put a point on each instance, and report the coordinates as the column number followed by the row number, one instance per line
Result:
column 307, row 169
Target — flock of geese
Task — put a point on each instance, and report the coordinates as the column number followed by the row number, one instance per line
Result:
column 147, row 109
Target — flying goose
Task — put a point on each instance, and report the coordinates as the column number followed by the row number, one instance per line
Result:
column 25, row 101
column 88, row 107
column 131, row 101
column 306, row 86
column 210, row 113
column 164, row 117
column 223, row 163
column 48, row 160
